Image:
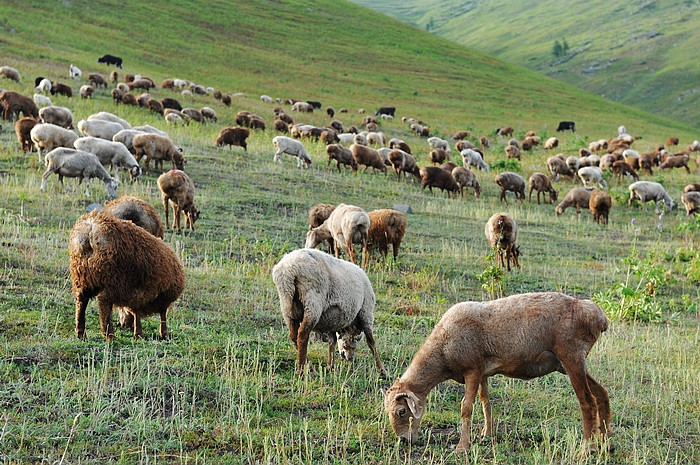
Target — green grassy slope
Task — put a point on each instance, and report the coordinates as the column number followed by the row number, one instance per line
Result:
column 641, row 54
column 223, row 388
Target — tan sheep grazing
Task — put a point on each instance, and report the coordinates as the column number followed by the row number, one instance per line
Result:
column 672, row 141
column 233, row 136
column 341, row 155
column 578, row 197
column 676, row 161
column 137, row 211
column 122, row 265
column 693, row 186
column 501, row 233
column 599, row 204
column 368, row 157
column 468, row 346
column 691, row 201
column 347, row 225
column 386, row 227
column 466, row 178
column 620, row 168
column 513, row 182
column 434, row 176
column 8, row 72
column 14, row 103
column 157, row 148
column 512, row 151
column 318, row 214
column 551, row 143
column 23, row 128
column 86, row 91
column 557, row 166
column 541, row 183
column 438, row 156
column 403, row 162
column 178, row 189
column 484, row 142
column 505, row 131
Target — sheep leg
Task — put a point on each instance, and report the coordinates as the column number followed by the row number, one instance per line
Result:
column 574, row 364
column 602, row 405
column 176, row 215
column 138, row 329
column 351, row 250
column 87, row 186
column 365, row 253
column 486, row 407
column 166, row 209
column 302, row 342
column 44, row 177
column 164, row 324
column 81, row 303
column 332, row 341
column 106, row 319
column 371, row 343
column 472, row 380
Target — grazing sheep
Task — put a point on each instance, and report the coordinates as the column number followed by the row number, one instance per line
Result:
column 317, row 215
column 471, row 158
column 23, row 128
column 645, row 191
column 464, row 144
column 73, row 163
column 466, row 178
column 512, row 151
column 157, row 148
column 449, row 166
column 150, row 130
column 61, row 89
column 284, row 144
column 118, row 96
column 122, row 265
column 11, row 73
column 551, row 143
column 592, row 175
column 438, row 143
column 137, row 211
column 126, row 137
column 47, row 137
column 209, row 113
column 280, row 126
column 171, row 103
column 691, row 201
column 330, row 111
column 233, row 136
column 671, row 141
column 475, row 340
column 86, row 91
column 155, row 106
column 14, row 103
column 403, row 162
column 368, row 157
column 501, row 233
column 557, row 166
column 41, row 100
column 226, row 100
column 676, row 161
column 459, row 135
column 541, row 183
column 341, row 155
column 44, row 86
column 326, row 295
column 112, row 154
column 600, row 204
column 376, row 138
column 74, row 72
column 573, row 162
column 114, row 76
column 505, row 131
column 396, row 143
column 693, row 186
column 97, row 80
column 175, row 118
column 60, row 116
column 177, row 188
column 347, row 225
column 620, row 168
column 513, row 182
column 99, row 128
column 484, row 142
column 194, row 114
column 142, row 83
column 437, row 156
column 434, row 176
column 266, row 98
column 386, row 227
column 578, row 197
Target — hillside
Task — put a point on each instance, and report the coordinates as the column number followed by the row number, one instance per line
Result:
column 639, row 53
column 223, row 388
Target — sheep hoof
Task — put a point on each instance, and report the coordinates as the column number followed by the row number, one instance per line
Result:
column 461, row 448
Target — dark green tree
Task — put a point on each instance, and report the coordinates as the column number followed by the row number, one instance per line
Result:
column 557, row 50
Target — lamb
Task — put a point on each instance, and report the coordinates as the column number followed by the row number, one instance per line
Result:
column 347, row 225
column 438, row 156
column 97, row 80
column 466, row 178
column 600, row 204
column 386, row 227
column 592, row 175
column 122, row 265
column 318, row 214
column 73, row 163
column 141, row 84
column 14, row 103
column 468, row 344
column 396, row 143
column 11, row 73
column 154, row 105
column 484, row 142
column 233, row 136
column 434, row 176
column 44, row 86
column 74, row 72
column 50, row 136
column 178, row 189
column 194, row 114
column 672, row 141
column 137, row 211
column 324, row 294
column 551, row 143
column 578, row 197
column 60, row 116
column 99, row 128
column 513, row 182
column 368, row 157
column 645, row 191
column 501, row 233
column 112, row 154
column 691, row 201
column 157, row 148
column 41, row 100
column 403, row 162
column 620, row 168
column 541, row 183
column 341, row 155
column 284, row 144
column 23, row 128
column 676, row 161
column 86, row 91
column 471, row 158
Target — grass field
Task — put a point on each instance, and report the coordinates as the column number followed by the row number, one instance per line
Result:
column 223, row 388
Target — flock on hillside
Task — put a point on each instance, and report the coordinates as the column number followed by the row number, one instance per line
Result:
column 318, row 291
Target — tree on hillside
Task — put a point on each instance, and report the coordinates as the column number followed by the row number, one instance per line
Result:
column 557, row 49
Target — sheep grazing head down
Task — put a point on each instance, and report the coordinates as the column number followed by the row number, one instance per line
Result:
column 405, row 412
column 348, row 342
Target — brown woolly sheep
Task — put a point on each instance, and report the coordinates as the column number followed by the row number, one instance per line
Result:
column 347, row 225
column 233, row 136
column 330, row 111
column 434, row 176
column 505, row 131
column 14, row 103
column 403, row 162
column 117, row 96
column 114, row 76
column 449, row 166
column 484, row 142
column 97, row 80
column 155, row 106
column 578, row 197
column 178, row 189
column 399, row 144
column 459, row 135
column 437, row 156
column 341, row 155
column 691, row 201
column 620, row 168
column 692, row 187
column 557, row 166
column 464, row 144
column 11, row 73
column 226, row 100
column 122, row 265
column 61, row 89
column 671, row 141
column 551, row 143
column 157, row 148
column 501, row 233
column 468, row 343
column 86, row 91
column 541, row 183
column 368, row 156
column 138, row 212
column 386, row 227
column 318, row 214
column 512, row 151
column 513, row 182
column 280, row 126
column 600, row 203
column 676, row 161
column 23, row 128
column 194, row 114
column 466, row 178
column 141, row 84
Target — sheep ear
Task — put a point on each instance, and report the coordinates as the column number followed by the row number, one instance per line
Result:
column 414, row 405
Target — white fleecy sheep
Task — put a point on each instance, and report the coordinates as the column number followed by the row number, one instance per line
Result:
column 74, row 72
column 126, row 137
column 293, row 147
column 323, row 294
column 47, row 137
column 438, row 143
column 42, row 100
column 44, row 86
column 99, row 128
column 473, row 158
column 107, row 116
column 591, row 175
column 8, row 72
column 60, row 116
column 645, row 191
column 110, row 153
column 347, row 225
column 72, row 163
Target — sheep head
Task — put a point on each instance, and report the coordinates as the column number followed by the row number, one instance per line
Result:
column 347, row 343
column 405, row 411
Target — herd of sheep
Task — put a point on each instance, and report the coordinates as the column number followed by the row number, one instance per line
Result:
column 112, row 249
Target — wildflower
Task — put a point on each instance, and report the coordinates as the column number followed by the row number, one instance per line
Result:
column 634, row 220
column 659, row 227
column 661, row 217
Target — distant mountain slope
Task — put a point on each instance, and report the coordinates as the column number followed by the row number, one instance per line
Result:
column 643, row 53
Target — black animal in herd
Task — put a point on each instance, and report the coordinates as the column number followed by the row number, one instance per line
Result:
column 566, row 126
column 385, row 111
column 110, row 60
